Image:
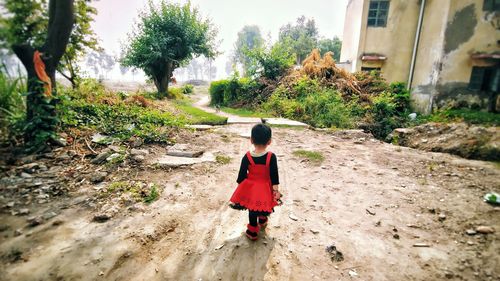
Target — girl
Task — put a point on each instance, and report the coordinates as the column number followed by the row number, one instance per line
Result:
column 258, row 182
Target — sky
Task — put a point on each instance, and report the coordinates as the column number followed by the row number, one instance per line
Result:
column 116, row 18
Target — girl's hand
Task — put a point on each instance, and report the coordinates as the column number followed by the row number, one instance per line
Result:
column 277, row 195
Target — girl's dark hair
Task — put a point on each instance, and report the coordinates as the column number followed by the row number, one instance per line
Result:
column 261, row 134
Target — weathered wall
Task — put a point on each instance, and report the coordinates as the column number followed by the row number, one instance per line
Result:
column 395, row 41
column 443, row 71
column 352, row 33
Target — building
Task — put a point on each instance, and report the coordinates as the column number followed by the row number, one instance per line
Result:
column 447, row 51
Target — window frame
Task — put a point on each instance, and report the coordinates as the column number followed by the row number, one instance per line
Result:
column 377, row 20
column 491, row 5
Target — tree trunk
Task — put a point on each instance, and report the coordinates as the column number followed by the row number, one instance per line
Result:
column 162, row 79
column 40, row 115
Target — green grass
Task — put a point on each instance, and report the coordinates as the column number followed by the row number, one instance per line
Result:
column 152, row 196
column 222, row 159
column 312, row 156
column 198, row 116
column 466, row 115
column 243, row 112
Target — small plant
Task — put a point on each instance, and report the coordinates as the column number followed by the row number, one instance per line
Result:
column 152, row 195
column 187, row 89
column 312, row 156
column 222, row 159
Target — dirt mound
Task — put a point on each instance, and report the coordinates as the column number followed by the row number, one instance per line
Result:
column 468, row 141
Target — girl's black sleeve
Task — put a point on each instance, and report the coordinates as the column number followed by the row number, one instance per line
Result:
column 275, row 178
column 243, row 169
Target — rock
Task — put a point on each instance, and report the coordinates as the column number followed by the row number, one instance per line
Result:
column 395, row 236
column 314, row 231
column 113, row 156
column 352, row 273
column 24, row 211
column 293, row 217
column 30, row 168
column 49, row 215
column 135, row 142
column 101, row 218
column 189, row 154
column 10, row 204
column 102, row 139
column 18, row 232
column 335, row 255
column 26, row 175
column 412, row 116
column 370, row 212
column 421, row 245
column 101, row 158
column 98, row 177
column 34, row 221
column 442, row 217
column 485, row 229
column 142, row 152
column 138, row 158
column 470, row 232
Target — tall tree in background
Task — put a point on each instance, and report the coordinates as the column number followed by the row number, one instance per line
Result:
column 330, row 45
column 43, row 42
column 249, row 38
column 167, row 36
column 82, row 40
column 303, row 37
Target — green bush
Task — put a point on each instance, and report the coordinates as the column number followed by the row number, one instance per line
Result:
column 216, row 91
column 233, row 91
column 187, row 89
column 273, row 62
column 12, row 106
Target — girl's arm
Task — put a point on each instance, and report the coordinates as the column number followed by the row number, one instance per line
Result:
column 273, row 166
column 243, row 169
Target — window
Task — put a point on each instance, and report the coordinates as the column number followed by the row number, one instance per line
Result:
column 491, row 5
column 370, row 69
column 377, row 14
column 485, row 79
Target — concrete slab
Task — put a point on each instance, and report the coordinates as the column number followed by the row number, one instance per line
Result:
column 200, row 127
column 243, row 120
column 284, row 122
column 173, row 161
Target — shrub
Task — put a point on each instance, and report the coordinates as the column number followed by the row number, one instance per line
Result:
column 12, row 106
column 216, row 90
column 272, row 62
column 187, row 89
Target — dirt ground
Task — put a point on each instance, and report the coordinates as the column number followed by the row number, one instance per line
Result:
column 374, row 201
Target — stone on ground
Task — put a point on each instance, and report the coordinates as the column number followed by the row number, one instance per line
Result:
column 284, row 122
column 173, row 161
column 200, row 127
column 243, row 120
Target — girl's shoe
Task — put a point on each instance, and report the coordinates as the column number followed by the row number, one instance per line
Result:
column 252, row 232
column 263, row 222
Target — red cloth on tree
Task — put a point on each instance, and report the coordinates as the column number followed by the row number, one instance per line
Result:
column 255, row 192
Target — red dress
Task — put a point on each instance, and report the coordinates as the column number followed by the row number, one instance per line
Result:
column 255, row 192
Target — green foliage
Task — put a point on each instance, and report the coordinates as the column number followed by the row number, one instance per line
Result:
column 310, row 103
column 249, row 38
column 12, row 106
column 232, row 91
column 313, row 156
column 330, row 45
column 152, row 195
column 302, row 37
column 91, row 106
column 187, row 89
column 167, row 36
column 462, row 115
column 272, row 62
column 222, row 159
column 25, row 23
column 81, row 40
column 243, row 112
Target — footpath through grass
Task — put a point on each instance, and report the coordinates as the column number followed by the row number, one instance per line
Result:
column 244, row 112
column 198, row 116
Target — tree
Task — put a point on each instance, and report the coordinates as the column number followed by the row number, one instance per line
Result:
column 272, row 62
column 167, row 36
column 82, row 40
column 42, row 42
column 249, row 38
column 303, row 37
column 330, row 45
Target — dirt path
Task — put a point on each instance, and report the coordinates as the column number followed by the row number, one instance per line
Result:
column 372, row 200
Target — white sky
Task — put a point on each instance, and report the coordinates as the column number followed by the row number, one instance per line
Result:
column 116, row 18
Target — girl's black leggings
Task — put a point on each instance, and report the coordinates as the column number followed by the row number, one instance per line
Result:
column 253, row 216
